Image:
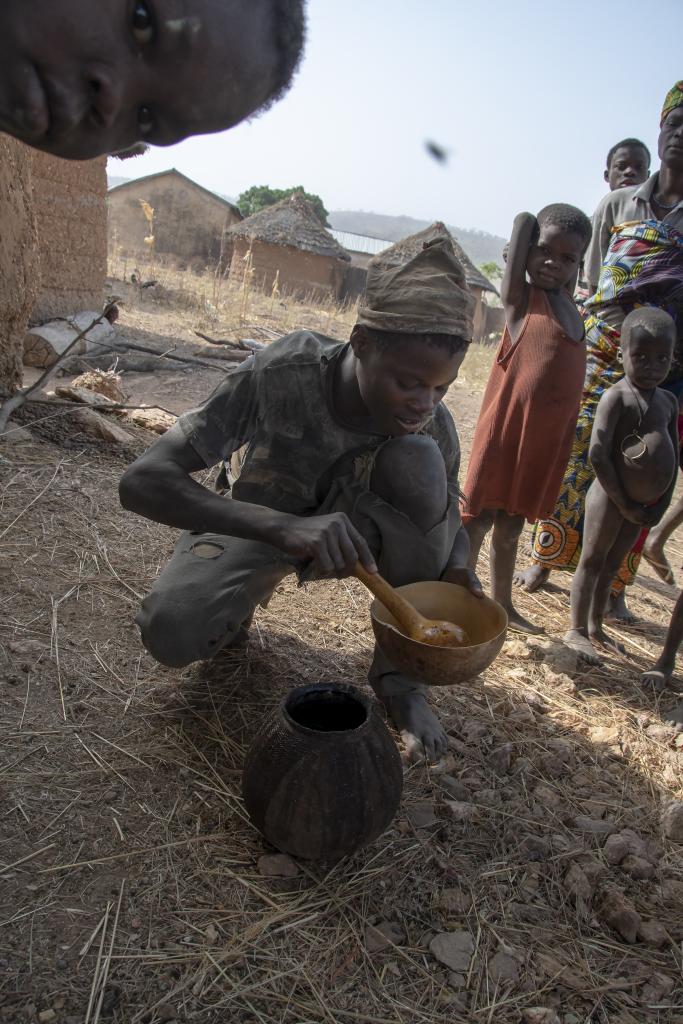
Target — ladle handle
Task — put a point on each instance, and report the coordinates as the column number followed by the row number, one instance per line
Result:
column 407, row 617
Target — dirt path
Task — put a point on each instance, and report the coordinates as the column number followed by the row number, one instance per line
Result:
column 128, row 870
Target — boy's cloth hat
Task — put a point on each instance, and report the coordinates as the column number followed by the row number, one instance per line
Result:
column 427, row 294
column 674, row 98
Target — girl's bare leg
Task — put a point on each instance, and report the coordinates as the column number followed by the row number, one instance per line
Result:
column 476, row 529
column 506, row 533
column 662, row 670
column 654, row 552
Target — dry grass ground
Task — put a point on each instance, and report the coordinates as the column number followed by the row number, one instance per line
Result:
column 130, row 886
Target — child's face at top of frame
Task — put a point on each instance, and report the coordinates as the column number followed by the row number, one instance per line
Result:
column 555, row 257
column 646, row 357
column 629, row 166
column 80, row 78
column 402, row 385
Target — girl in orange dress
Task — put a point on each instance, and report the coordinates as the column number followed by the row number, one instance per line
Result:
column 529, row 411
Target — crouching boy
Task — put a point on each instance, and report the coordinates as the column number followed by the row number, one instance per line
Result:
column 351, row 454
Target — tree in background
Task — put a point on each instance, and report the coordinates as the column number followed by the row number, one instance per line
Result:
column 492, row 271
column 258, row 197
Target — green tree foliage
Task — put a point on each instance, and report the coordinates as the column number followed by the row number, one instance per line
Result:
column 492, row 271
column 259, row 196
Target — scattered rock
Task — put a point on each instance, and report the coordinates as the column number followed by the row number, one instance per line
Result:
column 534, row 848
column 456, row 789
column 503, row 968
column 500, row 759
column 473, row 730
column 523, row 715
column 454, row 949
column 653, row 933
column 547, row 796
column 559, row 680
column 535, row 701
column 561, row 659
column 383, row 936
column 458, row 810
column 540, row 1015
column 577, row 884
column 455, row 901
column 517, row 649
column 46, row 1016
column 657, row 989
column 638, row 868
column 660, row 733
column 165, row 1012
column 278, row 865
column 604, row 735
column 615, row 911
column 422, row 814
column 155, row 420
column 95, row 425
column 596, row 826
column 672, row 821
column 13, row 433
column 457, row 980
column 615, row 849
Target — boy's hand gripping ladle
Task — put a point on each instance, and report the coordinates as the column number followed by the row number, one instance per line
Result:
column 427, row 631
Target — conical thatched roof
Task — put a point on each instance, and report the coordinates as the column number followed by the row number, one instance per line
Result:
column 291, row 222
column 409, row 247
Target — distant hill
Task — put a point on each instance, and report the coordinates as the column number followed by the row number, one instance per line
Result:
column 479, row 245
column 113, row 180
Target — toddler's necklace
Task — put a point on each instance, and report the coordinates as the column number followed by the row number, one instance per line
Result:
column 635, row 434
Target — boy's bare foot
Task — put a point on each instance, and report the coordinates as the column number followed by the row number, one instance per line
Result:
column 655, row 556
column 420, row 729
column 531, row 578
column 598, row 636
column 618, row 611
column 518, row 623
column 658, row 676
column 575, row 640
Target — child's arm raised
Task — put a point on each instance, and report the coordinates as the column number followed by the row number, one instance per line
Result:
column 601, row 454
column 514, row 290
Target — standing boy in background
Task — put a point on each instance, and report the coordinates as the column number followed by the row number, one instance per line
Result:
column 634, row 454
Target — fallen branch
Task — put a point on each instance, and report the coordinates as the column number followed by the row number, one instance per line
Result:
column 20, row 397
column 126, row 346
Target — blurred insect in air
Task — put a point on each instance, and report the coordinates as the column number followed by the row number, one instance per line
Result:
column 437, row 152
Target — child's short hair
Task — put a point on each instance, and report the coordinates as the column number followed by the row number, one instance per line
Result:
column 289, row 29
column 652, row 319
column 567, row 218
column 630, row 144
column 384, row 340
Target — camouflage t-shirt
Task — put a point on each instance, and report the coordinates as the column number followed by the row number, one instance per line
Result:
column 279, row 404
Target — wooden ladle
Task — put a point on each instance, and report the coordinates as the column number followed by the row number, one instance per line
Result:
column 427, row 631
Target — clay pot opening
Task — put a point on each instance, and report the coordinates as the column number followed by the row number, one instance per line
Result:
column 326, row 710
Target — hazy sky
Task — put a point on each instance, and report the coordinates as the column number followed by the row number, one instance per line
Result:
column 527, row 95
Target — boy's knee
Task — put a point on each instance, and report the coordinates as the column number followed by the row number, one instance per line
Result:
column 178, row 636
column 408, row 468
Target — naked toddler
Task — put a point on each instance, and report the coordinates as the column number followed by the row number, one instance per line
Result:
column 634, row 452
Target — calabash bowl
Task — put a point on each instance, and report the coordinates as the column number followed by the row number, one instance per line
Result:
column 484, row 620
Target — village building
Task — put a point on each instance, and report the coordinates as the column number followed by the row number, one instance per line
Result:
column 287, row 242
column 53, row 258
column 189, row 223
column 361, row 248
column 477, row 283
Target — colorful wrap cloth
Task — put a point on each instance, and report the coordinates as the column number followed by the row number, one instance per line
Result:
column 643, row 266
column 674, row 98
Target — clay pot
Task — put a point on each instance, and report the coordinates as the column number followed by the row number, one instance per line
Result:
column 323, row 777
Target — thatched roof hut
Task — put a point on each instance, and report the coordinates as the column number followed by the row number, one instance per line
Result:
column 477, row 283
column 288, row 240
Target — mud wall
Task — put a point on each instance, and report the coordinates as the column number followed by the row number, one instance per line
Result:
column 18, row 258
column 71, row 219
column 303, row 274
column 188, row 222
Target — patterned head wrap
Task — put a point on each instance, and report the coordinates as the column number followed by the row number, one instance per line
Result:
column 674, row 98
column 426, row 294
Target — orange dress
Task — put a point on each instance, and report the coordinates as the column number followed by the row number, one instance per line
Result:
column 527, row 419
